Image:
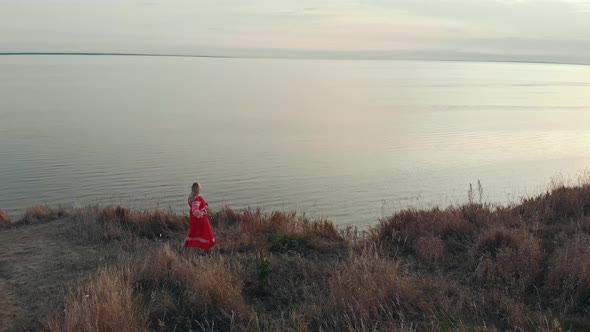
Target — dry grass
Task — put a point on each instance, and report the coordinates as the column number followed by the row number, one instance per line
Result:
column 166, row 292
column 181, row 293
column 106, row 303
column 569, row 275
column 430, row 248
column 468, row 268
column 4, row 218
column 520, row 258
column 38, row 213
column 43, row 213
column 370, row 293
column 509, row 259
column 156, row 224
column 562, row 204
column 250, row 229
column 501, row 311
column 402, row 232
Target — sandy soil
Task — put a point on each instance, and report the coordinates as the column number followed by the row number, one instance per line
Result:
column 36, row 263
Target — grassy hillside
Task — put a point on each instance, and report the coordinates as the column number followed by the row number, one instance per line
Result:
column 474, row 267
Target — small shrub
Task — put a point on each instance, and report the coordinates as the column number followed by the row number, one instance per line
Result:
column 284, row 242
column 4, row 218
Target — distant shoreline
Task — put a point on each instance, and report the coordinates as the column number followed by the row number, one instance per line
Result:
column 277, row 57
column 116, row 54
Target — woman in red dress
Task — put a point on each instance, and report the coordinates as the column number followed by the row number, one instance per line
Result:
column 200, row 234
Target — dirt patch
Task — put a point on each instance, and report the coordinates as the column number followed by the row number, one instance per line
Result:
column 37, row 264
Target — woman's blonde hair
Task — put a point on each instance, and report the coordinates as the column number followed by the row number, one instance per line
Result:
column 195, row 191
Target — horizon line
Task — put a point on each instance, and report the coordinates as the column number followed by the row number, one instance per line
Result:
column 279, row 57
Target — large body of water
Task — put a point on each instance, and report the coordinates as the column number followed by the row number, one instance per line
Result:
column 350, row 141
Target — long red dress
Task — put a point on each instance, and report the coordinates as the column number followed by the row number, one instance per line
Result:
column 200, row 234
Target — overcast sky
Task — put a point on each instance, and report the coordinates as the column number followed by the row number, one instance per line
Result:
column 525, row 30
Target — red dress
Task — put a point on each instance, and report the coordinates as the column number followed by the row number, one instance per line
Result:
column 200, row 234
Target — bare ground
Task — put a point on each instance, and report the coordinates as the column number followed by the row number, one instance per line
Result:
column 37, row 264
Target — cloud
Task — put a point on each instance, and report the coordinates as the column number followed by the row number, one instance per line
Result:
column 563, row 19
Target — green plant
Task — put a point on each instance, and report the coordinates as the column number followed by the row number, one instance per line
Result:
column 264, row 267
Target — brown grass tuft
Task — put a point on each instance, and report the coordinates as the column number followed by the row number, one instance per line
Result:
column 38, row 213
column 106, row 303
column 491, row 241
column 508, row 258
column 4, row 218
column 371, row 293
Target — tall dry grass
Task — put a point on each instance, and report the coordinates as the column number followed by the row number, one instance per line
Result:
column 370, row 292
column 191, row 293
column 105, row 303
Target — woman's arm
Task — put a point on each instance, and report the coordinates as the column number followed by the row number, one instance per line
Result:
column 204, row 202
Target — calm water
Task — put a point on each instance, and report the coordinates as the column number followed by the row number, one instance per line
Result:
column 347, row 140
